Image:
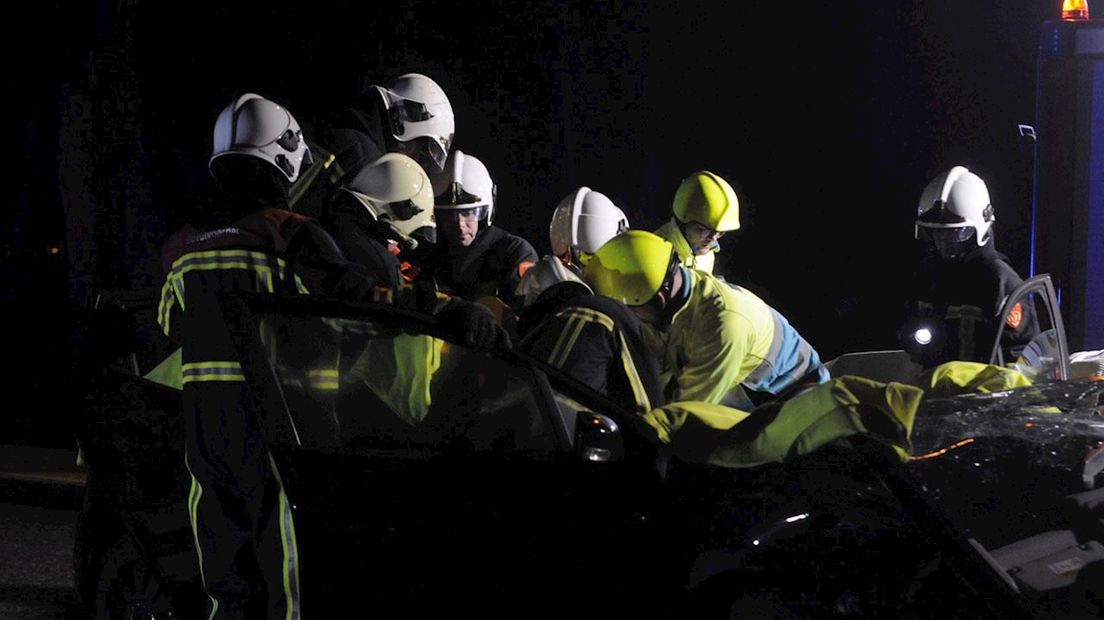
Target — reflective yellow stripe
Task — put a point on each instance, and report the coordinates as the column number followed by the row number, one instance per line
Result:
column 211, row 371
column 643, row 403
column 289, row 544
column 299, row 286
column 263, row 265
column 577, row 317
column 305, row 180
column 566, row 341
column 164, row 306
column 590, row 315
column 325, row 379
column 195, row 492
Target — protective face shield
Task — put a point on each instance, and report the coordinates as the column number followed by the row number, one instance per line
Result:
column 632, row 267
column 953, row 208
column 582, row 222
column 397, row 192
column 255, row 126
column 709, row 200
column 465, row 184
column 421, row 118
column 948, row 242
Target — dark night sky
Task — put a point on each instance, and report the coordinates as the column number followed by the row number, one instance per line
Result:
column 828, row 118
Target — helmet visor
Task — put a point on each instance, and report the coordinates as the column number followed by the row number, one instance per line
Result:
column 478, row 212
column 427, row 151
column 431, row 148
column 403, row 209
column 412, row 111
column 267, row 124
column 434, row 152
column 949, row 242
column 939, row 215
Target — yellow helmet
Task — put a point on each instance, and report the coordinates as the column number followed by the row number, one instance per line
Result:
column 709, row 200
column 631, row 267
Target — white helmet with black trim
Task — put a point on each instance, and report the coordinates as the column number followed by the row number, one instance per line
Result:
column 953, row 208
column 255, row 126
column 418, row 108
column 581, row 223
column 465, row 183
column 397, row 192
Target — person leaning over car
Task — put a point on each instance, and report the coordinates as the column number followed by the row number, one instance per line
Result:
column 712, row 339
column 561, row 321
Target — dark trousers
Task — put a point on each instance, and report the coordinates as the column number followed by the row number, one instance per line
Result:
column 240, row 515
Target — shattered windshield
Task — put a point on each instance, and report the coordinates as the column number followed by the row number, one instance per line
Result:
column 1002, row 464
column 1042, row 413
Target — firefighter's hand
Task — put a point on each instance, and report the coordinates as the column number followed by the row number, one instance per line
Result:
column 475, row 325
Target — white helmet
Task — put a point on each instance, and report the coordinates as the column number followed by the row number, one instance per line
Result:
column 418, row 108
column 583, row 221
column 954, row 206
column 397, row 192
column 465, row 183
column 253, row 125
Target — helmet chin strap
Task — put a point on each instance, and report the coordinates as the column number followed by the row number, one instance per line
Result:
column 673, row 292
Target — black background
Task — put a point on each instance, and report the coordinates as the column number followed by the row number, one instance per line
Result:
column 828, row 117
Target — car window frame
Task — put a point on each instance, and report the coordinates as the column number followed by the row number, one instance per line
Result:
column 1044, row 286
column 242, row 311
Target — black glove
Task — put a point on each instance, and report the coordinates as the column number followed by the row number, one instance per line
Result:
column 474, row 325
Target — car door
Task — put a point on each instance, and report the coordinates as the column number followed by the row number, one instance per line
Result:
column 1045, row 353
column 425, row 475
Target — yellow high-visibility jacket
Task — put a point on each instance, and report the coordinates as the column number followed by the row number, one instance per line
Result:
column 725, row 336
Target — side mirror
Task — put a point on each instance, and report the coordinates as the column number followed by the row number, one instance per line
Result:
column 598, row 438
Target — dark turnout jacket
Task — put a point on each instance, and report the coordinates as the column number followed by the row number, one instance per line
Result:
column 961, row 298
column 492, row 265
column 598, row 341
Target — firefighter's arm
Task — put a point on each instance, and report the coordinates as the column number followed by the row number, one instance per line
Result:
column 471, row 323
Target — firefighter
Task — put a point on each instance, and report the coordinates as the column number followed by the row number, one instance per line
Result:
column 712, row 339
column 591, row 338
column 582, row 221
column 962, row 280
column 704, row 209
column 473, row 258
column 246, row 239
column 387, row 208
column 410, row 114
